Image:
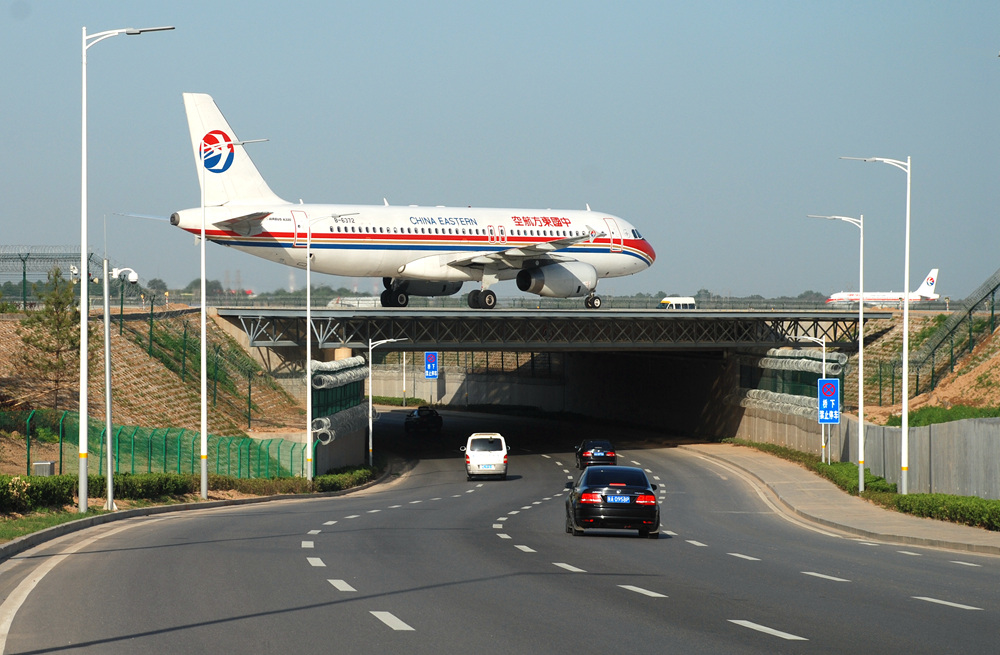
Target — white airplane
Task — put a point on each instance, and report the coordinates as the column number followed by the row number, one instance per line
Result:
column 417, row 251
column 923, row 293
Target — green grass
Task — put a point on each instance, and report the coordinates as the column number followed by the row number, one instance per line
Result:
column 19, row 526
column 934, row 415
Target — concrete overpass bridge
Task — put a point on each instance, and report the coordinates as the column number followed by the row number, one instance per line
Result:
column 652, row 367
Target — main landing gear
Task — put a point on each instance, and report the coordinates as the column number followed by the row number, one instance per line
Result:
column 592, row 302
column 484, row 299
column 390, row 298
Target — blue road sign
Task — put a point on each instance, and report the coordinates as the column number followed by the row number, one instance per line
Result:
column 828, row 393
column 430, row 365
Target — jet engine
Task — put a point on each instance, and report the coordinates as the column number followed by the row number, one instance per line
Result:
column 566, row 280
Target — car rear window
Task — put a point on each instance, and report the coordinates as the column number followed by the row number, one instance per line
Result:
column 607, row 477
column 480, row 445
column 605, row 445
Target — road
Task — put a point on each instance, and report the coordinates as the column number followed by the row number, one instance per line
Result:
column 432, row 563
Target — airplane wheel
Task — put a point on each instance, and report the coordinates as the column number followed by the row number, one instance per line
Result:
column 474, row 299
column 400, row 299
column 595, row 302
column 487, row 299
column 386, row 299
column 587, row 302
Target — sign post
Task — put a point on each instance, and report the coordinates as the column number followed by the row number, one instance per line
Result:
column 828, row 405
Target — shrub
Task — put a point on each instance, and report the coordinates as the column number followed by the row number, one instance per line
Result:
column 22, row 494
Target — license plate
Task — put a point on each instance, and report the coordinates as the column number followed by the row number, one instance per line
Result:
column 598, row 453
column 618, row 499
column 487, row 466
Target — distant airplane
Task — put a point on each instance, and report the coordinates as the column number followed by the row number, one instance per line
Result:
column 923, row 293
column 417, row 251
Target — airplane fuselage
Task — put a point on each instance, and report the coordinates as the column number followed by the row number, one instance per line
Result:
column 401, row 241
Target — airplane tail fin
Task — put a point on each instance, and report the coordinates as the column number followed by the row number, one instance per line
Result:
column 926, row 289
column 224, row 168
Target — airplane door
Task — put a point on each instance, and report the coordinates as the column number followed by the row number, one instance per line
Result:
column 615, row 234
column 492, row 234
column 501, row 234
column 299, row 223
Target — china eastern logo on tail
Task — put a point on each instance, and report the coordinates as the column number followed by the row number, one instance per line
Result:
column 214, row 145
column 416, row 251
column 924, row 293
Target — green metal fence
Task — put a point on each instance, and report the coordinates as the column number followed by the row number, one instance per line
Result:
column 152, row 450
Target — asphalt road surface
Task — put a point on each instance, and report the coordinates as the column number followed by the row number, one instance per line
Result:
column 432, row 563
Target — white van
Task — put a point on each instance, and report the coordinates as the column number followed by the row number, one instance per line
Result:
column 485, row 454
column 677, row 302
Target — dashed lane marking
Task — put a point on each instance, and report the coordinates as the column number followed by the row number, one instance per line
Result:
column 640, row 590
column 340, row 585
column 568, row 567
column 503, row 536
column 960, row 563
column 907, row 552
column 330, row 523
column 525, row 549
column 307, row 544
column 697, row 543
column 824, row 577
column 746, row 557
column 390, row 620
column 315, row 561
column 766, row 630
column 314, row 532
column 948, row 603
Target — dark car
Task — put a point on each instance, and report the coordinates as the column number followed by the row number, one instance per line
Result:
column 422, row 419
column 613, row 497
column 595, row 451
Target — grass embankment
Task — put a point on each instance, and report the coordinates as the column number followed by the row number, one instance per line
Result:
column 966, row 510
column 935, row 415
column 30, row 504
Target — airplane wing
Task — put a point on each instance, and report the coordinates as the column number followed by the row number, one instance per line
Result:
column 247, row 225
column 512, row 257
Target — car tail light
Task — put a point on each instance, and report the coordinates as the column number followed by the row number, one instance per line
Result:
column 587, row 453
column 504, row 459
column 590, row 498
column 467, row 460
column 610, row 453
column 646, row 499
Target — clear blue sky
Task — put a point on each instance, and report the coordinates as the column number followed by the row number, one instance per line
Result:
column 715, row 127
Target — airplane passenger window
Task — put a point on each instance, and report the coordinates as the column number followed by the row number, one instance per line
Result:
column 331, row 228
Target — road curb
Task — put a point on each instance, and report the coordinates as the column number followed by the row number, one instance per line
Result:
column 910, row 540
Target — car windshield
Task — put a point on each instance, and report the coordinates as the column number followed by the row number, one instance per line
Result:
column 599, row 445
column 615, row 476
column 424, row 412
column 481, row 445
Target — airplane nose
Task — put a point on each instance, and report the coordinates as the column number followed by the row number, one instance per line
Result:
column 650, row 253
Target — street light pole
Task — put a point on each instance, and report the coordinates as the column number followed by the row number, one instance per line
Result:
column 205, row 151
column 133, row 277
column 860, row 224
column 904, row 456
column 372, row 345
column 86, row 43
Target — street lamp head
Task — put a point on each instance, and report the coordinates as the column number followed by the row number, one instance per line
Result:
column 132, row 31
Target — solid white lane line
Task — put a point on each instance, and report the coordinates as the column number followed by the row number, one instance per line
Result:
column 391, row 621
column 949, row 604
column 315, row 561
column 767, row 630
column 314, row 532
column 341, row 585
column 640, row 590
column 525, row 549
column 697, row 543
column 746, row 557
column 307, row 544
column 955, row 561
column 824, row 577
column 16, row 598
column 568, row 567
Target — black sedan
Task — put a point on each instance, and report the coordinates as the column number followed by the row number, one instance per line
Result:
column 423, row 419
column 595, row 451
column 615, row 497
